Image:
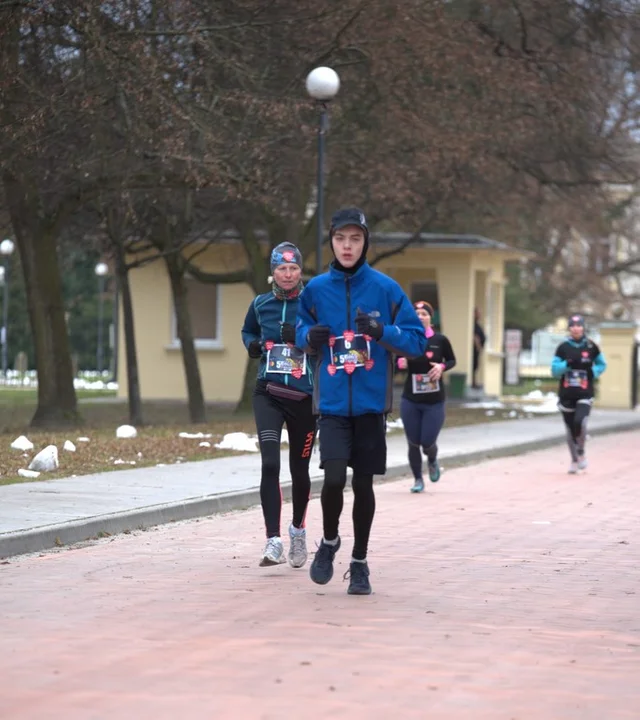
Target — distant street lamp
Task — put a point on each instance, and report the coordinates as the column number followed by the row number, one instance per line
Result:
column 101, row 270
column 6, row 250
column 322, row 84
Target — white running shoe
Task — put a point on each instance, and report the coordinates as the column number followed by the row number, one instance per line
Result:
column 582, row 463
column 273, row 552
column 573, row 468
column 298, row 547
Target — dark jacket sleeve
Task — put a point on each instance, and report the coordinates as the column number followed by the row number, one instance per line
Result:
column 447, row 354
column 251, row 328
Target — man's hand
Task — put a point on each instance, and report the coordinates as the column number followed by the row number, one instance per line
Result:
column 255, row 349
column 366, row 325
column 402, row 363
column 318, row 336
column 288, row 333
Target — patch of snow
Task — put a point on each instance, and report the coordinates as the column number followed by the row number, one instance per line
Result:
column 82, row 439
column 487, row 405
column 69, row 446
column 539, row 395
column 393, row 424
column 22, row 443
column 194, row 436
column 28, row 473
column 239, row 441
column 490, row 413
column 204, row 444
column 126, row 431
column 547, row 407
column 46, row 460
column 119, row 461
column 284, row 439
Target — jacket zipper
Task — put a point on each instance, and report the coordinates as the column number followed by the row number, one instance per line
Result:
column 284, row 317
column 348, row 327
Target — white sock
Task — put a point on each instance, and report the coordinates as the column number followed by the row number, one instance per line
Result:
column 297, row 531
column 333, row 543
column 360, row 561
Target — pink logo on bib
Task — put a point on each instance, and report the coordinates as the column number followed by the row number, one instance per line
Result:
column 269, row 344
column 331, row 369
column 429, row 354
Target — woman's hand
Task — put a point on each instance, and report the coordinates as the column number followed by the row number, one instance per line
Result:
column 402, row 363
column 436, row 372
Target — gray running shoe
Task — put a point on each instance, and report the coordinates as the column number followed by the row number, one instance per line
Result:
column 573, row 468
column 297, row 547
column 273, row 552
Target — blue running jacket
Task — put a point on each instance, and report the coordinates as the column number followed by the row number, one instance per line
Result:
column 334, row 299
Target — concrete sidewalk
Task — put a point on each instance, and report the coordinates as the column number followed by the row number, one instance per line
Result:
column 40, row 515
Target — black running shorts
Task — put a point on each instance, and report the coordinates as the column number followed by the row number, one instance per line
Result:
column 361, row 440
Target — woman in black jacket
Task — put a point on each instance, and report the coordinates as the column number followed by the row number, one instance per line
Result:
column 423, row 400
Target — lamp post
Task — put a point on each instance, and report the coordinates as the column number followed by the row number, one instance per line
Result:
column 322, row 84
column 101, row 271
column 6, row 250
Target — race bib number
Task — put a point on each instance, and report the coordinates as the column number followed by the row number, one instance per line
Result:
column 422, row 384
column 286, row 360
column 350, row 354
column 576, row 379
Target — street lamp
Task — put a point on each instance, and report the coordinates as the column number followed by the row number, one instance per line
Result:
column 6, row 249
column 322, row 84
column 101, row 270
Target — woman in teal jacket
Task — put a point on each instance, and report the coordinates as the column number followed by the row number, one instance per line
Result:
column 577, row 363
column 282, row 395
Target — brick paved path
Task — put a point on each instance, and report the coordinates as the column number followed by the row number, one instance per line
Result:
column 509, row 590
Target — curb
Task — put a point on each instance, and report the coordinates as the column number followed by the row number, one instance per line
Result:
column 93, row 528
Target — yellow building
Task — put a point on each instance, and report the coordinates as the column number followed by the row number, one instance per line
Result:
column 455, row 273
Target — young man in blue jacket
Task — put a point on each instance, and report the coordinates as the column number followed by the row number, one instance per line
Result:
column 577, row 363
column 353, row 318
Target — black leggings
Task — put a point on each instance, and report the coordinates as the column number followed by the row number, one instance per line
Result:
column 271, row 413
column 364, row 504
column 576, row 424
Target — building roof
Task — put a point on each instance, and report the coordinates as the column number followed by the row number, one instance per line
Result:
column 449, row 241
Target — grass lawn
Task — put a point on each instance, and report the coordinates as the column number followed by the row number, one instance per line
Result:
column 157, row 441
column 527, row 385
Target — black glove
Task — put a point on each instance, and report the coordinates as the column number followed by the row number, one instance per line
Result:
column 318, row 336
column 366, row 325
column 288, row 333
column 255, row 349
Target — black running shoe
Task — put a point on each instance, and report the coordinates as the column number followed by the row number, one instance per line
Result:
column 321, row 570
column 358, row 575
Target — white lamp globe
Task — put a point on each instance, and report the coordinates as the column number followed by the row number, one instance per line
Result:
column 102, row 269
column 6, row 247
column 323, row 83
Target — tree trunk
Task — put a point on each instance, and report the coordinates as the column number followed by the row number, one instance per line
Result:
column 57, row 405
column 245, row 404
column 259, row 272
column 197, row 410
column 133, row 380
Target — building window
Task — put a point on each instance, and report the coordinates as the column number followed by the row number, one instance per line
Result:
column 203, row 300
